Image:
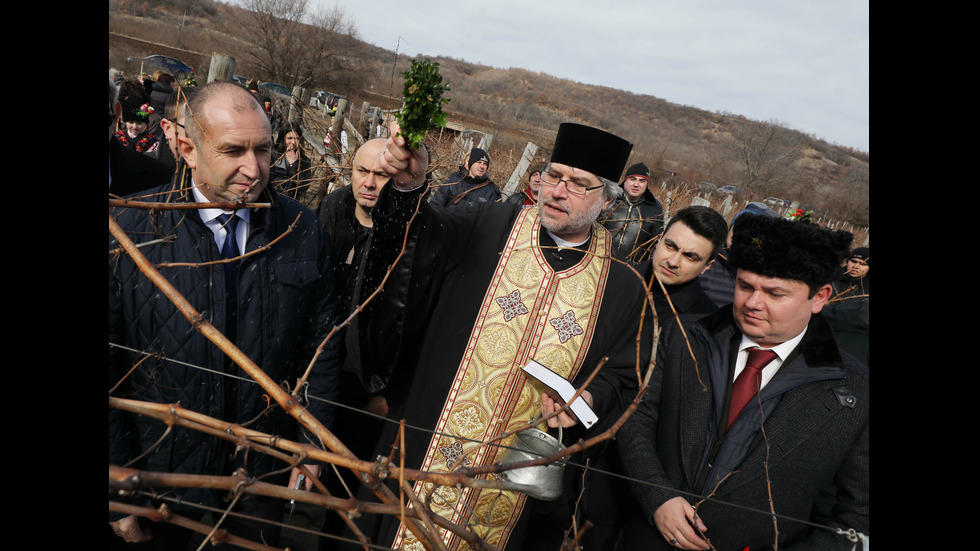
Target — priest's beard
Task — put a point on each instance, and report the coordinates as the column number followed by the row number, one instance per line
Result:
column 575, row 223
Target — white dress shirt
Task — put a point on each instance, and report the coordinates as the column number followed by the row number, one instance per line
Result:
column 210, row 218
column 769, row 371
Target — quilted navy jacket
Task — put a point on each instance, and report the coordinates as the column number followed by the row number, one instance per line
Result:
column 287, row 305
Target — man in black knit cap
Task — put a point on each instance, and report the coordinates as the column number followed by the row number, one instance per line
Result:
column 636, row 219
column 469, row 185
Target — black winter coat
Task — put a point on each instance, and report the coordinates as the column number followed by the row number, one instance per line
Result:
column 634, row 226
column 131, row 171
column 159, row 94
column 286, row 307
column 816, row 419
column 521, row 198
column 849, row 315
column 348, row 242
column 293, row 179
column 460, row 189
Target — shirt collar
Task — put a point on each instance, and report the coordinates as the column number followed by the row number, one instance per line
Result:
column 210, row 214
column 782, row 350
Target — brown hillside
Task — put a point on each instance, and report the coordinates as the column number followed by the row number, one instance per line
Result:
column 517, row 106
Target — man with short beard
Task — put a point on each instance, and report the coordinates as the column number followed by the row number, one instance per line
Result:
column 478, row 293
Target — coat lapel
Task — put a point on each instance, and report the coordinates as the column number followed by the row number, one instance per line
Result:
column 806, row 401
column 697, row 423
column 799, row 414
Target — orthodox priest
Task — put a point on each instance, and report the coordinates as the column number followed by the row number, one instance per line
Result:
column 477, row 293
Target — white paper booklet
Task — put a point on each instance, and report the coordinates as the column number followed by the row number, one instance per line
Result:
column 560, row 390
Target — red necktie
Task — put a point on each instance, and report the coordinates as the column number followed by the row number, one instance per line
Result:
column 748, row 382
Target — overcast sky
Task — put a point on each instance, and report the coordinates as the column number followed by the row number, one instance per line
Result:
column 805, row 64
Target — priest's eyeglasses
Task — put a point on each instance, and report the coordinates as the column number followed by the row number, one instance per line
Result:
column 574, row 188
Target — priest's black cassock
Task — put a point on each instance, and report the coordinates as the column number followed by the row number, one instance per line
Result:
column 434, row 311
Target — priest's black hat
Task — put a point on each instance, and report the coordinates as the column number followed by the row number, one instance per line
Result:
column 779, row 247
column 591, row 149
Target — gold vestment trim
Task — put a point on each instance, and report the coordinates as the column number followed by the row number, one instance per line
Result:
column 529, row 312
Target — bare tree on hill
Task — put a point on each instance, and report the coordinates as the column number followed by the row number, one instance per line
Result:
column 292, row 45
column 764, row 150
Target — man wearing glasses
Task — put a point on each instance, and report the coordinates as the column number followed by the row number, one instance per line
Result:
column 478, row 293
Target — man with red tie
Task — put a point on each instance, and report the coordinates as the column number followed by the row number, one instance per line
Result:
column 763, row 421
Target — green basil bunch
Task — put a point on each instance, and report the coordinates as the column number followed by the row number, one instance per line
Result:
column 423, row 99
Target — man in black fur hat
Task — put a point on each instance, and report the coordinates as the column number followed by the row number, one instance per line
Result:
column 728, row 463
column 479, row 292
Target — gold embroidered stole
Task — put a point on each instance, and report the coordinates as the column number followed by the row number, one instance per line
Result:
column 529, row 312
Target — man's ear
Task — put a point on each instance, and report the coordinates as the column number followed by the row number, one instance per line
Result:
column 708, row 265
column 167, row 127
column 820, row 298
column 187, row 150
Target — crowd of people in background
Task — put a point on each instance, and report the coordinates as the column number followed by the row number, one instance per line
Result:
column 568, row 270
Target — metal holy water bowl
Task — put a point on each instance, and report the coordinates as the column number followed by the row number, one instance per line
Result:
column 542, row 482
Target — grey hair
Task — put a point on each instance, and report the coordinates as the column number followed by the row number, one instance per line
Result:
column 610, row 190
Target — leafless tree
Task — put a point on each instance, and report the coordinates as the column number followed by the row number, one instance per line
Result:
column 848, row 195
column 293, row 45
column 764, row 150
